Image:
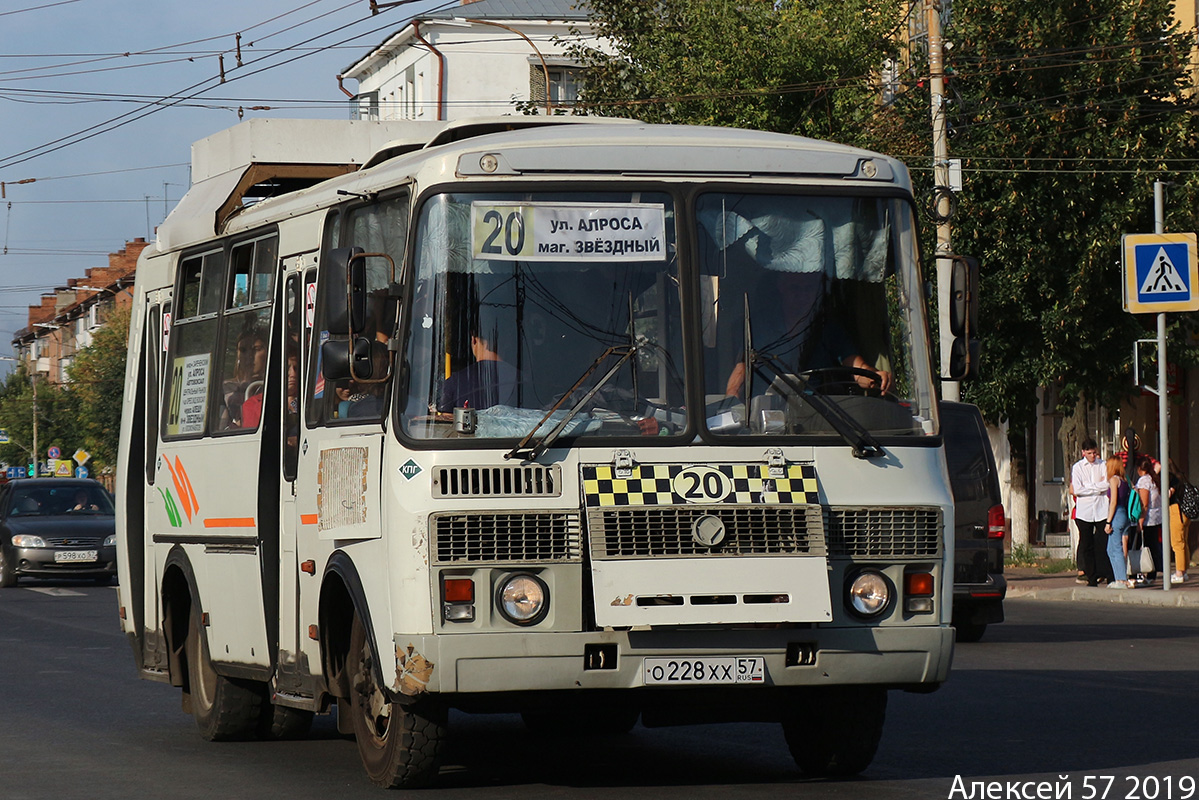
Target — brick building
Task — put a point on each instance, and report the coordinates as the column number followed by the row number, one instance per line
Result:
column 66, row 319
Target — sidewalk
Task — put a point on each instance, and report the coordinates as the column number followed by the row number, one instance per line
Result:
column 1025, row 583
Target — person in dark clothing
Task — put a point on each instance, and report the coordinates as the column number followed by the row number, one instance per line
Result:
column 488, row 381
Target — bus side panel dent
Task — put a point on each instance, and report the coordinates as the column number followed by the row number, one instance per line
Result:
column 413, row 672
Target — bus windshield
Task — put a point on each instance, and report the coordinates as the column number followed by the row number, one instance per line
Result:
column 546, row 314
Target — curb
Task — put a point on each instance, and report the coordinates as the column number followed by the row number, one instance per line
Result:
column 1139, row 597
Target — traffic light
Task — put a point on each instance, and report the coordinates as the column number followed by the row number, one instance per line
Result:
column 963, row 319
column 31, row 470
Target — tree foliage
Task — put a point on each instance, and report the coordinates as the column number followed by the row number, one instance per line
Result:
column 1063, row 112
column 57, row 413
column 98, row 379
column 86, row 412
column 805, row 68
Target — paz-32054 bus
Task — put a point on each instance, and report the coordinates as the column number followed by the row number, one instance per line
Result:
column 593, row 421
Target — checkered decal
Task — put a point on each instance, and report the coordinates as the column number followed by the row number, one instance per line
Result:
column 653, row 485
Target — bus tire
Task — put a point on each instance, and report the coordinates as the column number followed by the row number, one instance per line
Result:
column 225, row 709
column 283, row 722
column 399, row 743
column 835, row 731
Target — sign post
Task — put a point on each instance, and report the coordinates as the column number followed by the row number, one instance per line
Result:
column 1161, row 274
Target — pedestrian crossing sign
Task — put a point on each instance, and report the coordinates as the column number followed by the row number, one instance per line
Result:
column 1161, row 272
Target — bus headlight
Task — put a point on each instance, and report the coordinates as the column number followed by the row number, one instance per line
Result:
column 523, row 599
column 869, row 593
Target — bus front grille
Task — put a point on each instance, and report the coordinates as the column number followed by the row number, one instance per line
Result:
column 533, row 480
column 884, row 532
column 671, row 531
column 479, row 537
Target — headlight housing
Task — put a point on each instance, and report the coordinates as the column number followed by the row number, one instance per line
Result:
column 26, row 540
column 869, row 593
column 522, row 598
column 110, row 540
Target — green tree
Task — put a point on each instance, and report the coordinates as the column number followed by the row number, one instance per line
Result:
column 57, row 410
column 98, row 379
column 807, row 68
column 1064, row 113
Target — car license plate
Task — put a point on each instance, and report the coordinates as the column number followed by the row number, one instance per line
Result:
column 734, row 669
column 66, row 556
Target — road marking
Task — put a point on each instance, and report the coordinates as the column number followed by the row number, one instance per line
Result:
column 55, row 591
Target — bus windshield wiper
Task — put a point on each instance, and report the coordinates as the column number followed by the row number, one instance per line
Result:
column 527, row 453
column 849, row 428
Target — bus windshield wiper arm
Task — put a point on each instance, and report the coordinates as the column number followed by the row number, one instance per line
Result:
column 527, row 453
column 853, row 432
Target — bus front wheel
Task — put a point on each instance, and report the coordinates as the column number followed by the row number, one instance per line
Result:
column 224, row 708
column 399, row 744
column 835, row 731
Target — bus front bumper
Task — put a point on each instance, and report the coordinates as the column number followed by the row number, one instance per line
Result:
column 912, row 657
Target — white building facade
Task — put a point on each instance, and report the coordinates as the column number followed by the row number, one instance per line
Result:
column 477, row 59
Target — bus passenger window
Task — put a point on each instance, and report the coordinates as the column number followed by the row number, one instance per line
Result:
column 244, row 370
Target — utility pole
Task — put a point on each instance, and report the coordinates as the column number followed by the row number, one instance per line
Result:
column 950, row 390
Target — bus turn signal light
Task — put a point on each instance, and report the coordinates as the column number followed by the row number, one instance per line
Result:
column 458, row 599
column 918, row 592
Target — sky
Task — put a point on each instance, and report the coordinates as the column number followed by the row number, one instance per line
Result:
column 100, row 101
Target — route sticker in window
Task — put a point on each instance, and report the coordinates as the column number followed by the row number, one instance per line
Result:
column 189, row 395
column 568, row 232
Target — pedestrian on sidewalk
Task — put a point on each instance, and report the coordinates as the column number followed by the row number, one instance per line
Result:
column 1088, row 481
column 1151, row 516
column 1179, row 526
column 1117, row 522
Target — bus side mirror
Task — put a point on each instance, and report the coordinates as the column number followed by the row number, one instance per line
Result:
column 963, row 319
column 345, row 290
column 337, row 358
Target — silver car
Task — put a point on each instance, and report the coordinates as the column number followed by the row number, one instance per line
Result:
column 56, row 528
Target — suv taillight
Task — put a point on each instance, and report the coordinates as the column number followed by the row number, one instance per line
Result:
column 996, row 526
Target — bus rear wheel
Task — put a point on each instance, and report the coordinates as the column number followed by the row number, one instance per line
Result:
column 224, row 708
column 835, row 731
column 399, row 743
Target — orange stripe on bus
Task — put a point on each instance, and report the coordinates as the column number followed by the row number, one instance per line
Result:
column 229, row 522
column 308, row 519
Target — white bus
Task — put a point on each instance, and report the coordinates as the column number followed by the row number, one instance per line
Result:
column 593, row 421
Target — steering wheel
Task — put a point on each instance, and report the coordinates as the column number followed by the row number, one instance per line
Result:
column 851, row 385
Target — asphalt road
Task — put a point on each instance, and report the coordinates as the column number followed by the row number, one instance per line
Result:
column 1060, row 689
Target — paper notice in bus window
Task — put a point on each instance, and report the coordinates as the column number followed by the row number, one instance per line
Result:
column 189, row 395
column 569, row 231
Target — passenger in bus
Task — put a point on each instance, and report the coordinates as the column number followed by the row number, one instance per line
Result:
column 488, row 381
column 243, row 394
column 792, row 321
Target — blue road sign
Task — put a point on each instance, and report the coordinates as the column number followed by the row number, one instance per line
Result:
column 1161, row 273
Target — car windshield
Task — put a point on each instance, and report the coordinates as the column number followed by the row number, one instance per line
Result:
column 540, row 310
column 53, row 501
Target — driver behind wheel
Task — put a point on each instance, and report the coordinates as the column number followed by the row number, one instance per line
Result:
column 791, row 323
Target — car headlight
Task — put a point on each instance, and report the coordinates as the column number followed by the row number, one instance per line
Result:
column 869, row 593
column 25, row 540
column 110, row 540
column 523, row 599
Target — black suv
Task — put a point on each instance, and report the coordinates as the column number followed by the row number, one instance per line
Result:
column 978, row 583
